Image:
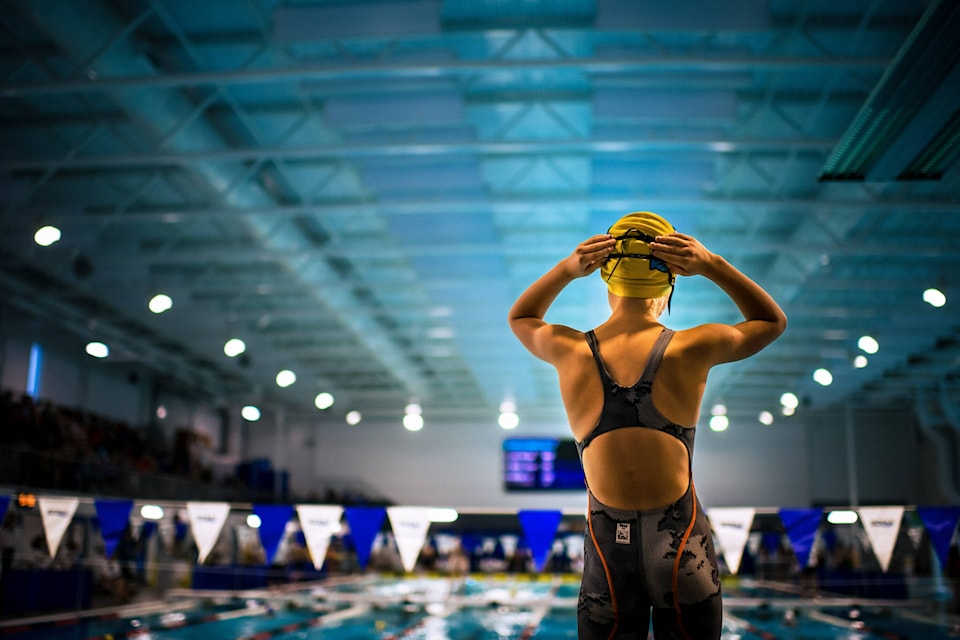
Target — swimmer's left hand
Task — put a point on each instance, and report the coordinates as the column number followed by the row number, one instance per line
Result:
column 684, row 254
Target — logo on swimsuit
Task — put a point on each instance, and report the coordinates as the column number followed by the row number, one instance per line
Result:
column 623, row 533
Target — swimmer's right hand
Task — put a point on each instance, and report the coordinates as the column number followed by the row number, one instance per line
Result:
column 590, row 255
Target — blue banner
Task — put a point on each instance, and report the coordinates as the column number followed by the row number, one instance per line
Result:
column 539, row 529
column 273, row 524
column 365, row 523
column 4, row 504
column 940, row 523
column 114, row 517
column 801, row 526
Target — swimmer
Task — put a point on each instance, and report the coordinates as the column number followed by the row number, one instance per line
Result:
column 632, row 390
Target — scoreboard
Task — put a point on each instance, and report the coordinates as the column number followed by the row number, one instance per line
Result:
column 541, row 464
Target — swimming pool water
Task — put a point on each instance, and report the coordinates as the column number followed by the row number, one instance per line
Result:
column 377, row 608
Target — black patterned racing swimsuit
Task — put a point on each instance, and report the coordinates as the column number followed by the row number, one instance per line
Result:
column 637, row 561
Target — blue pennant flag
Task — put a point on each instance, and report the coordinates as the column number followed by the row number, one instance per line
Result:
column 4, row 503
column 273, row 524
column 148, row 529
column 114, row 516
column 940, row 523
column 539, row 528
column 365, row 523
column 801, row 526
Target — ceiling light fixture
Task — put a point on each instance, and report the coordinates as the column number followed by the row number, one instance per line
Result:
column 719, row 423
column 868, row 344
column 234, row 347
column 323, row 400
column 823, row 377
column 934, row 297
column 97, row 350
column 160, row 303
column 413, row 422
column 286, row 378
column 790, row 400
column 46, row 236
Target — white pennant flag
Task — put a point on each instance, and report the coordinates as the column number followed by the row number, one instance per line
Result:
column 882, row 525
column 56, row 513
column 409, row 525
column 509, row 544
column 319, row 523
column 206, row 520
column 732, row 526
column 446, row 543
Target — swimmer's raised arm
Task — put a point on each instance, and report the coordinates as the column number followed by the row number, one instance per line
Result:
column 764, row 320
column 526, row 315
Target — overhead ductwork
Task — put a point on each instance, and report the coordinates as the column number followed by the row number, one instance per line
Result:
column 909, row 127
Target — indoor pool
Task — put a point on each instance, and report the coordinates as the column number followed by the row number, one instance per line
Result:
column 476, row 608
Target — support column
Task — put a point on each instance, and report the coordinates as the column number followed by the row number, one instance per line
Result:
column 852, row 485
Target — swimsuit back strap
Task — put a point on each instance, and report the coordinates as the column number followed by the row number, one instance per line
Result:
column 656, row 355
column 595, row 349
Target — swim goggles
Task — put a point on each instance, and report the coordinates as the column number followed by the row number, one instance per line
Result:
column 656, row 264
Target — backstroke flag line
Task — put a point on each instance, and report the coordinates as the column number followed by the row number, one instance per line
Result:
column 801, row 526
column 882, row 525
column 114, row 517
column 56, row 514
column 273, row 526
column 732, row 526
column 409, row 525
column 365, row 524
column 206, row 520
column 940, row 522
column 319, row 522
column 539, row 528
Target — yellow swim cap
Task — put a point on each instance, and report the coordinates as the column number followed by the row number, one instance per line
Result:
column 627, row 272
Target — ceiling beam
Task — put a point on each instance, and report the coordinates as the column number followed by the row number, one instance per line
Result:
column 432, row 69
column 521, row 206
column 415, row 150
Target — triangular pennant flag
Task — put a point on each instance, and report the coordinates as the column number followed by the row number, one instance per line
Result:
column 409, row 525
column 539, row 528
column 56, row 513
column 365, row 524
column 882, row 525
column 148, row 528
column 509, row 544
column 446, row 544
column 206, row 520
column 114, row 517
column 319, row 522
column 940, row 523
column 4, row 504
column 273, row 524
column 135, row 524
column 732, row 526
column 801, row 526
